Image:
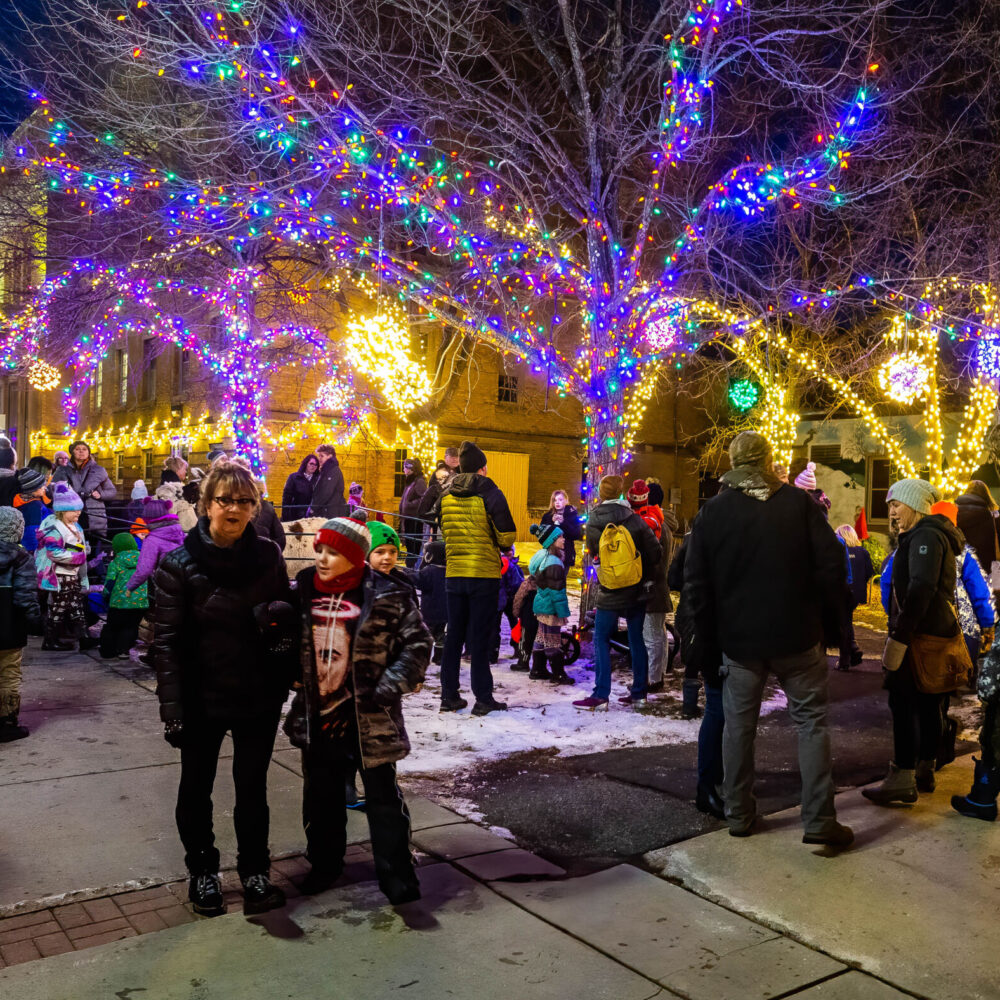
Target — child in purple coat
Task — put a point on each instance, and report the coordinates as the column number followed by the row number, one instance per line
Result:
column 165, row 535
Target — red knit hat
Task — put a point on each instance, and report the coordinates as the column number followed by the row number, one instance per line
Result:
column 348, row 536
column 638, row 494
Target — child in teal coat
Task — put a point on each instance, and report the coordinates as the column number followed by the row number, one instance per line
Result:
column 551, row 606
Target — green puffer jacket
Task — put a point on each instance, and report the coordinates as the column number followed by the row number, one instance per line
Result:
column 390, row 652
column 476, row 524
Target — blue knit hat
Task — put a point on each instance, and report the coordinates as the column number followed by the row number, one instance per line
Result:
column 64, row 497
column 547, row 534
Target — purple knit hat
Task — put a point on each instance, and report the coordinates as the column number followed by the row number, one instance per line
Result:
column 155, row 509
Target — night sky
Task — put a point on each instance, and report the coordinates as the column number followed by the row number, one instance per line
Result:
column 14, row 106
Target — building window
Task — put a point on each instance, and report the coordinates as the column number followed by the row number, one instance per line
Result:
column 399, row 477
column 99, row 386
column 825, row 454
column 180, row 370
column 147, row 465
column 506, row 388
column 119, row 465
column 149, row 369
column 123, row 376
column 880, row 478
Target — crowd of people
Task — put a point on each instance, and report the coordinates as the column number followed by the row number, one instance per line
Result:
column 766, row 586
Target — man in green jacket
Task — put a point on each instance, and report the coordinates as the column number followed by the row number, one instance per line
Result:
column 476, row 524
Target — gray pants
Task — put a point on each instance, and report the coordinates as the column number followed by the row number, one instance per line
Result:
column 654, row 635
column 803, row 677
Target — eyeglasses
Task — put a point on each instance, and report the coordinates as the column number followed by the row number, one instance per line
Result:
column 244, row 503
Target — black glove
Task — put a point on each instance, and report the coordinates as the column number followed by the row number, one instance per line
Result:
column 386, row 691
column 173, row 733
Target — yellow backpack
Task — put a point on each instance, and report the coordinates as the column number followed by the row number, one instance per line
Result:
column 619, row 565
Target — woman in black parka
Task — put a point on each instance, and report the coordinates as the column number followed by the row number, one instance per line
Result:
column 216, row 597
column 298, row 491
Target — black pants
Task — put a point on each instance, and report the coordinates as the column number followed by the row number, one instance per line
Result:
column 253, row 741
column 916, row 721
column 325, row 768
column 507, row 612
column 437, row 631
column 529, row 627
column 849, row 647
column 121, row 630
column 472, row 609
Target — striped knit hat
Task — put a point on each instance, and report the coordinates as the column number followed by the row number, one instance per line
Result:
column 347, row 536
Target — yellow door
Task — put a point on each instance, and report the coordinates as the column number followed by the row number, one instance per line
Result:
column 509, row 470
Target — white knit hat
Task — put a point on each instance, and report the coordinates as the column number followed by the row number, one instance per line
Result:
column 806, row 479
column 915, row 493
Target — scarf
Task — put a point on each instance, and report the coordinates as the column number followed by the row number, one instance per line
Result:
column 340, row 584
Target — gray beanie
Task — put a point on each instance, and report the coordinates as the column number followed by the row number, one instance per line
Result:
column 915, row 493
column 11, row 525
column 749, row 448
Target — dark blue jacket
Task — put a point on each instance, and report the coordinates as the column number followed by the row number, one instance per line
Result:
column 430, row 581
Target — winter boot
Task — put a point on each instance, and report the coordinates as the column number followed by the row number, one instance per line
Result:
column 925, row 776
column 205, row 893
column 898, row 786
column 981, row 802
column 946, row 749
column 689, row 698
column 10, row 730
column 260, row 894
column 558, row 665
column 51, row 644
column 521, row 664
column 351, row 798
column 539, row 671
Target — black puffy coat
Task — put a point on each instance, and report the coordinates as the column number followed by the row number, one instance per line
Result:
column 19, row 610
column 391, row 645
column 209, row 649
column 296, row 496
column 572, row 531
column 267, row 525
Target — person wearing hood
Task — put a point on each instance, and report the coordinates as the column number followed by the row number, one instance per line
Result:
column 19, row 615
column 180, row 505
column 414, row 488
column 761, row 566
column 328, row 486
column 126, row 608
column 924, row 572
column 977, row 520
column 621, row 596
column 165, row 535
column 92, row 483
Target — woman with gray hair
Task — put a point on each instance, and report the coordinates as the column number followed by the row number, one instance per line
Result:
column 925, row 655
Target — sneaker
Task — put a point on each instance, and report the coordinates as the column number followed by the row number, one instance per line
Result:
column 11, row 729
column 351, row 798
column 260, row 894
column 690, row 712
column 837, row 836
column 205, row 893
column 485, row 707
column 592, row 704
column 708, row 801
column 630, row 699
column 318, row 879
column 745, row 830
column 452, row 704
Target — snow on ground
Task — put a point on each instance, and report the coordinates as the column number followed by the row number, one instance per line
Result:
column 540, row 716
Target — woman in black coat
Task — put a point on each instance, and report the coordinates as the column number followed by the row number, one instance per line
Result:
column 215, row 598
column 977, row 520
column 414, row 488
column 562, row 513
column 298, row 491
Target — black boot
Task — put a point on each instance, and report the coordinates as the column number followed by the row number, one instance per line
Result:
column 946, row 749
column 260, row 894
column 689, row 698
column 558, row 665
column 708, row 800
column 539, row 671
column 54, row 645
column 319, row 878
column 521, row 664
column 351, row 798
column 399, row 889
column 205, row 893
column 10, row 730
column 981, row 802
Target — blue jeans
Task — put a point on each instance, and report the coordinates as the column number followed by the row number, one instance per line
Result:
column 606, row 622
column 713, row 723
column 472, row 617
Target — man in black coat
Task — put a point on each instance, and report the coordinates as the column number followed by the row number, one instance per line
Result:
column 762, row 563
column 328, row 490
